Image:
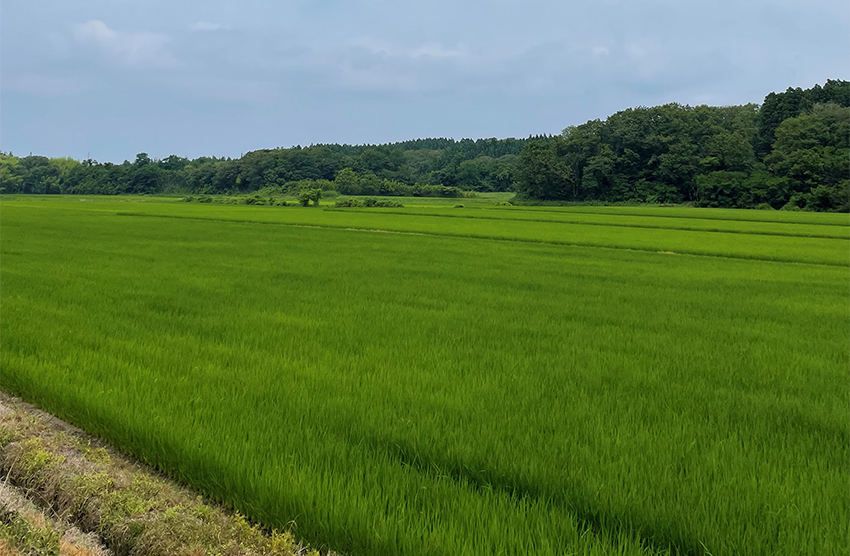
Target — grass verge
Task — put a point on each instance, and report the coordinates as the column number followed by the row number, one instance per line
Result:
column 80, row 485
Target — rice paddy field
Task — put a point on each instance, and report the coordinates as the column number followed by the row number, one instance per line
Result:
column 432, row 380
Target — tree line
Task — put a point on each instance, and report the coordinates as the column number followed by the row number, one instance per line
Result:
column 428, row 167
column 789, row 152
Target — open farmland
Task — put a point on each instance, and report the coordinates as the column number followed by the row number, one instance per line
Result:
column 433, row 380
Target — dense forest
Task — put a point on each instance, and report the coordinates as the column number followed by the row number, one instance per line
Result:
column 792, row 152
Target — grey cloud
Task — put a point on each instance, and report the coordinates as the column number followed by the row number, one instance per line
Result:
column 208, row 26
column 221, row 77
column 42, row 85
column 133, row 49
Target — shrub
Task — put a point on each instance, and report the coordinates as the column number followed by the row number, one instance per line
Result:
column 348, row 203
column 368, row 202
column 254, row 200
column 309, row 194
column 271, row 191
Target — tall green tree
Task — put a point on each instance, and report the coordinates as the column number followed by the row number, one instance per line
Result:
column 542, row 173
column 812, row 155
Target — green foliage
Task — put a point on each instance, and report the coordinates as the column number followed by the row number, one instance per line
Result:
column 723, row 189
column 26, row 538
column 543, row 173
column 811, row 155
column 11, row 174
column 486, row 381
column 347, row 182
column 701, row 155
column 34, row 460
column 778, row 107
column 307, row 196
column 371, row 170
column 368, row 203
column 254, row 200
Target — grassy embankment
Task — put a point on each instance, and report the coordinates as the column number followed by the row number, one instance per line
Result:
column 65, row 494
column 517, row 380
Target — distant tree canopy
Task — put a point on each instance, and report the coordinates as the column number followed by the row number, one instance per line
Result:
column 790, row 152
column 433, row 167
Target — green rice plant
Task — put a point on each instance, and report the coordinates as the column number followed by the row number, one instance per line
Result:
column 461, row 386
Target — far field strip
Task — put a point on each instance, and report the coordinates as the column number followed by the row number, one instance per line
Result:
column 486, row 202
column 828, row 251
column 719, row 244
column 779, row 259
column 629, row 221
column 689, row 213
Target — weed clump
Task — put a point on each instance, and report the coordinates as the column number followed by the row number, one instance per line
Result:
column 31, row 539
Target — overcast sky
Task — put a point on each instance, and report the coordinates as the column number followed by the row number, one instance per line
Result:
column 222, row 77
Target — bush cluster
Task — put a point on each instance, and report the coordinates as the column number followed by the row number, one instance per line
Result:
column 257, row 199
column 368, row 203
